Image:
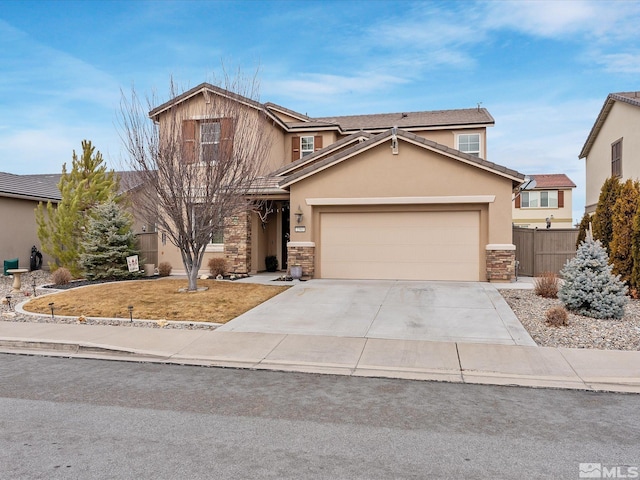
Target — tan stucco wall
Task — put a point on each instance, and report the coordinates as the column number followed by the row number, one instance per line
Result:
column 536, row 217
column 414, row 172
column 623, row 121
column 19, row 231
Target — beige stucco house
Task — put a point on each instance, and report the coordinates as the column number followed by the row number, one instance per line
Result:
column 386, row 196
column 613, row 145
column 547, row 205
column 19, row 197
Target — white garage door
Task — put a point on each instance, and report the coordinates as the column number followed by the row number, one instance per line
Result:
column 400, row 245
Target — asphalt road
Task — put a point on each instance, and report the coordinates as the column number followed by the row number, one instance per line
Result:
column 86, row 419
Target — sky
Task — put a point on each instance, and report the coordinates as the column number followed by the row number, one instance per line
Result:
column 543, row 69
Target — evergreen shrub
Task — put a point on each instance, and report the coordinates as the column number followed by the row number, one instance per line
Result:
column 589, row 287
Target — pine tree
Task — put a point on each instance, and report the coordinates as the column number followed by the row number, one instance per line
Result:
column 583, row 229
column 108, row 242
column 61, row 228
column 589, row 287
column 622, row 224
column 602, row 219
column 634, row 281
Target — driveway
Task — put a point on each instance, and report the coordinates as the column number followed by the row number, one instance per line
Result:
column 404, row 310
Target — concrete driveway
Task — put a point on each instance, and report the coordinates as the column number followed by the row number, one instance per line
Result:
column 404, row 310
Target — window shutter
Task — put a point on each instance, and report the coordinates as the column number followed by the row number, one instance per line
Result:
column 518, row 201
column 295, row 148
column 189, row 141
column 317, row 143
column 560, row 198
column 226, row 138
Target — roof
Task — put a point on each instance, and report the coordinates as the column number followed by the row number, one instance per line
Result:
column 40, row 188
column 552, row 180
column 515, row 176
column 407, row 120
column 631, row 98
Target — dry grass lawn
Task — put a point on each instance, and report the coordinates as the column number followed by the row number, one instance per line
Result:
column 158, row 300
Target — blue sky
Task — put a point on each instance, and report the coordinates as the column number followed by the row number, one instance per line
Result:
column 542, row 69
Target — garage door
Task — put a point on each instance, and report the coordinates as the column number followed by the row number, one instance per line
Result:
column 400, row 245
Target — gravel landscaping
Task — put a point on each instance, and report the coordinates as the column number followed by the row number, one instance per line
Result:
column 582, row 332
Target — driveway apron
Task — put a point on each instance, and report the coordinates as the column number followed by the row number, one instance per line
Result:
column 404, row 310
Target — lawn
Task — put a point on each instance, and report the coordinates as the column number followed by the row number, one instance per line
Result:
column 158, row 300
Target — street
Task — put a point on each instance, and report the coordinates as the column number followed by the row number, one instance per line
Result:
column 86, row 419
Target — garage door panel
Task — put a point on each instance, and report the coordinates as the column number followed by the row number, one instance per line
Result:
column 400, row 245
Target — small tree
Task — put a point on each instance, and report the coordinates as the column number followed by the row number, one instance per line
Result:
column 61, row 228
column 602, row 219
column 583, row 229
column 620, row 247
column 589, row 287
column 198, row 174
column 108, row 242
column 634, row 281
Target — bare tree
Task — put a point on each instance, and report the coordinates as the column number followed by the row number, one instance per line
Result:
column 199, row 162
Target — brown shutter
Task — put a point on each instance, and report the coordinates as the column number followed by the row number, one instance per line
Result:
column 317, row 143
column 560, row 198
column 226, row 138
column 189, row 141
column 295, row 148
column 518, row 200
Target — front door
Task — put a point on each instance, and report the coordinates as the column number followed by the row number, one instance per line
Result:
column 285, row 232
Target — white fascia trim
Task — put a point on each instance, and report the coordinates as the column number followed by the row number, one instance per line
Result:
column 301, row 244
column 402, row 200
column 500, row 246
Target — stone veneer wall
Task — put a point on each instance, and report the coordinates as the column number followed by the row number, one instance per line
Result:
column 237, row 243
column 303, row 255
column 501, row 262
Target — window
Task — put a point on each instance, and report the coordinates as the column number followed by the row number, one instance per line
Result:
column 209, row 141
column 469, row 143
column 306, row 145
column 616, row 158
column 199, row 221
column 541, row 199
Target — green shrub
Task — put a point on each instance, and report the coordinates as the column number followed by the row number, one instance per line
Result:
column 164, row 269
column 546, row 285
column 602, row 218
column 217, row 266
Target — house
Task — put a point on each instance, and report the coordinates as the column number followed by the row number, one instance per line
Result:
column 19, row 197
column 547, row 205
column 613, row 145
column 385, row 196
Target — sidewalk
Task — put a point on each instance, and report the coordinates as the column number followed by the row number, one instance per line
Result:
column 598, row 370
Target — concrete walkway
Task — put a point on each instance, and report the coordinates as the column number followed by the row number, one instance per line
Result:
column 369, row 353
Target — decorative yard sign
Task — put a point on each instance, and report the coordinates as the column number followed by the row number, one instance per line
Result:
column 132, row 263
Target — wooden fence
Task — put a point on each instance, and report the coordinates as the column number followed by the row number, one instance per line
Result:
column 539, row 251
column 148, row 246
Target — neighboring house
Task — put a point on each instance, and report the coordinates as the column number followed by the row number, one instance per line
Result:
column 384, row 196
column 613, row 145
column 547, row 205
column 19, row 197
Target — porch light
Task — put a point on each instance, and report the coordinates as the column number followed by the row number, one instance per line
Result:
column 299, row 215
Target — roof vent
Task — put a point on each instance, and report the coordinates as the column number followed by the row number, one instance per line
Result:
column 404, row 115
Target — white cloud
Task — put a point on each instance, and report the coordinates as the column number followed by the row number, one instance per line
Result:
column 626, row 63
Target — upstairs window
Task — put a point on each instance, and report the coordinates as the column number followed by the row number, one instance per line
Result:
column 469, row 143
column 306, row 146
column 209, row 141
column 539, row 199
column 616, row 159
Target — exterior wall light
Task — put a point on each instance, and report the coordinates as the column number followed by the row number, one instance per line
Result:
column 299, row 215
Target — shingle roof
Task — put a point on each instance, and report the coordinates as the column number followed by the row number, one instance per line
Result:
column 552, row 180
column 30, row 187
column 631, row 98
column 407, row 120
column 324, row 163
